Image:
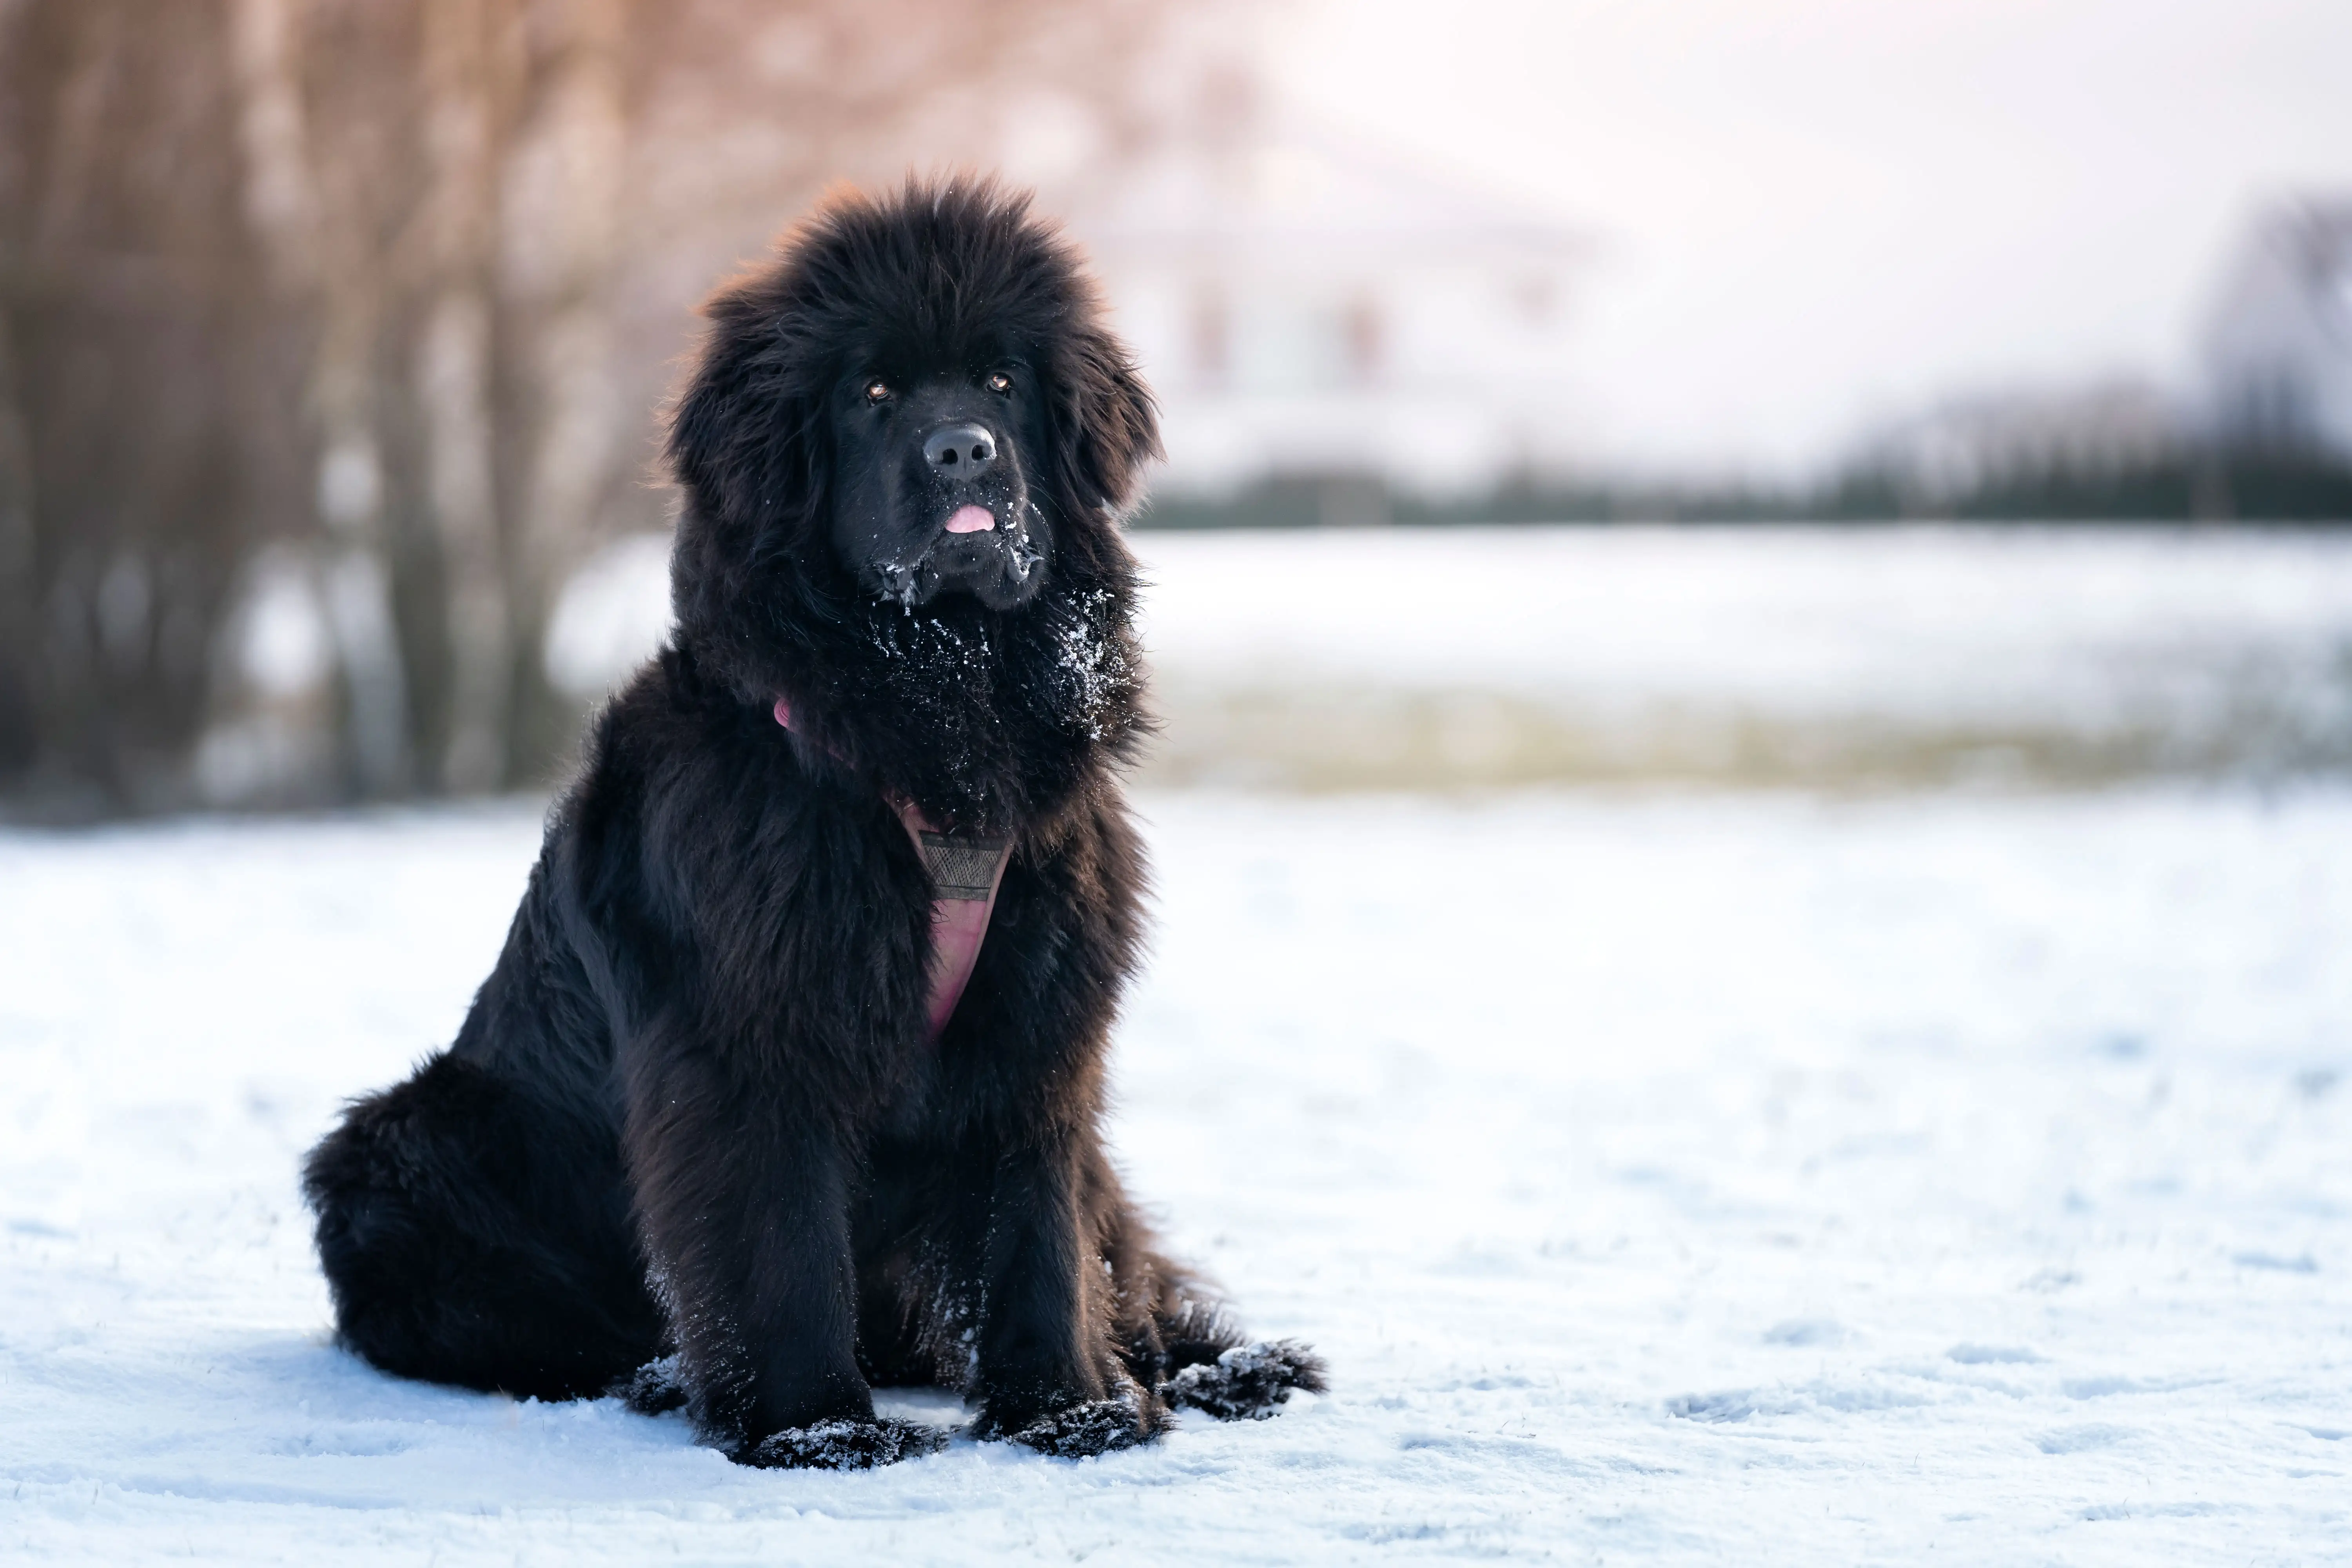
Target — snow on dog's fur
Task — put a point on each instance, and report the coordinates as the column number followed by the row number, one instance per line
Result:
column 694, row 1141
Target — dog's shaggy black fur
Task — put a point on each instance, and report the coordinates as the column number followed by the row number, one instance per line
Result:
column 694, row 1142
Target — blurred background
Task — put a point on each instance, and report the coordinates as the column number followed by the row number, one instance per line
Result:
column 1786, row 392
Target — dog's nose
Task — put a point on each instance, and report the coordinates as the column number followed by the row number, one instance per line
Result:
column 960, row 451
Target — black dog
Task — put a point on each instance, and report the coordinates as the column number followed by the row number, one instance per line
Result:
column 718, row 1131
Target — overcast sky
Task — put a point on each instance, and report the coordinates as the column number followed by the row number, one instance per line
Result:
column 1820, row 212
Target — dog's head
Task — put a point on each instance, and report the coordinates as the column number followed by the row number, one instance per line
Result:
column 935, row 448
column 917, row 402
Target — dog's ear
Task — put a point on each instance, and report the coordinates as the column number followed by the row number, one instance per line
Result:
column 1110, row 428
column 745, row 445
column 743, row 436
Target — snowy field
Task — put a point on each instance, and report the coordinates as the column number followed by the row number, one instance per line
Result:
column 1817, row 658
column 1702, row 1177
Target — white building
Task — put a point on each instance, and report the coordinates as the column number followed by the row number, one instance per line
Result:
column 2278, row 344
column 1305, row 307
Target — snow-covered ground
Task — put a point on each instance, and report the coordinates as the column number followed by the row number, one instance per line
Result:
column 1755, row 1178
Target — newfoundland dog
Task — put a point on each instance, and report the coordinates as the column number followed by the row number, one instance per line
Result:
column 789, row 1081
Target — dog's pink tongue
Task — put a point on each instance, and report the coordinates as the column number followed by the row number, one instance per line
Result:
column 971, row 519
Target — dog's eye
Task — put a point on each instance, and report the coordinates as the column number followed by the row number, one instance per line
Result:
column 1000, row 382
column 877, row 391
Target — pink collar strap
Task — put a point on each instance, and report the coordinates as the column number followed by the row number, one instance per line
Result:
column 967, row 869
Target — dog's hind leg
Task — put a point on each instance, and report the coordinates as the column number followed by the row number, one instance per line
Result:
column 472, row 1234
column 1177, row 1338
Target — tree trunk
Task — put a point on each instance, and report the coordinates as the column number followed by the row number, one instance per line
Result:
column 19, row 593
column 565, row 188
column 321, row 258
column 453, row 389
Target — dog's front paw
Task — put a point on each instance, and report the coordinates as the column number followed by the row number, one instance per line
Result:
column 1091, row 1426
column 1248, row 1381
column 843, row 1444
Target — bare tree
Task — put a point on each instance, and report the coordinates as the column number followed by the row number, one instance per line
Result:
column 464, row 44
column 563, row 180
column 315, row 234
column 128, row 359
column 19, row 595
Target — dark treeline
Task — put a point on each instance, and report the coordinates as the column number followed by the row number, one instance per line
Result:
column 2252, row 487
column 375, row 302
